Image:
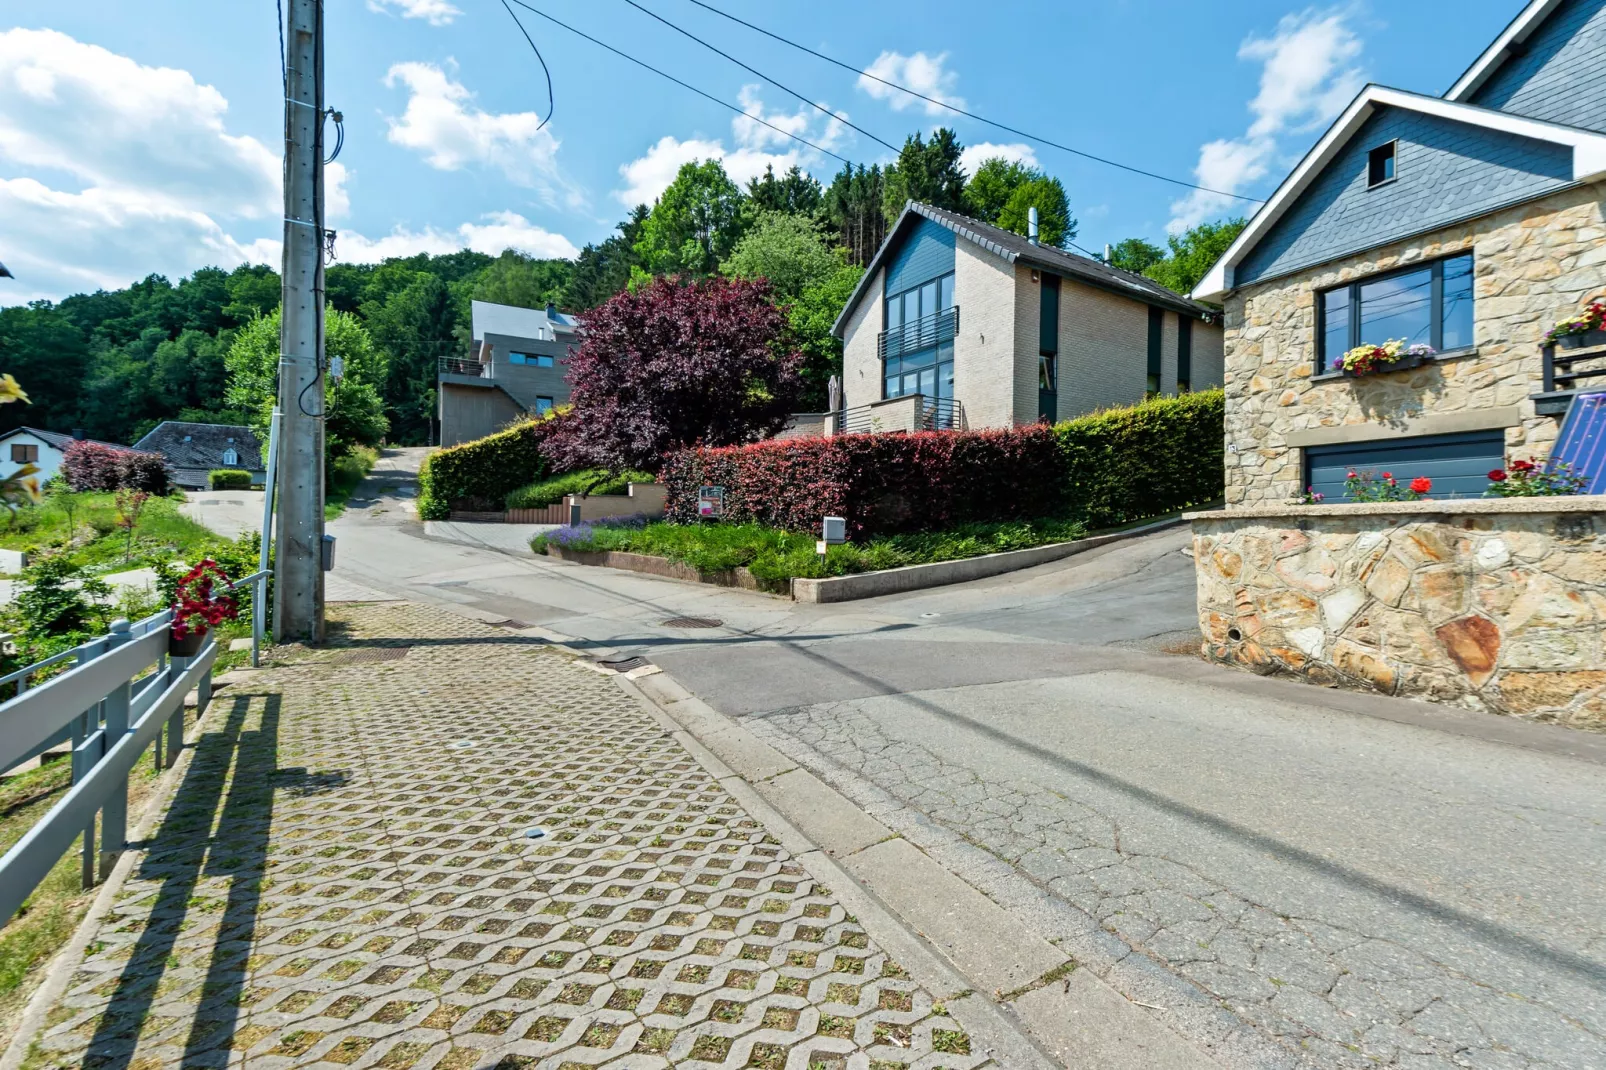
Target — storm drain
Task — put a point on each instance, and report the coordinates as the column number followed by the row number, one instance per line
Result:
column 376, row 653
column 693, row 622
column 624, row 664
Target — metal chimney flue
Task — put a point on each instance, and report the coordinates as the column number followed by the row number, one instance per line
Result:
column 1031, row 224
column 1109, row 253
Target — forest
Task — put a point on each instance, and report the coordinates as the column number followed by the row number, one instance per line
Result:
column 115, row 363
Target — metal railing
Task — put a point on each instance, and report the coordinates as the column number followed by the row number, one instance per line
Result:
column 918, row 334
column 479, row 369
column 110, row 708
column 936, row 414
column 1562, row 365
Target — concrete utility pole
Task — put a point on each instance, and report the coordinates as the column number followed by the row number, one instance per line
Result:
column 298, row 590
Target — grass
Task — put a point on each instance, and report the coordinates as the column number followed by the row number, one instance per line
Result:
column 775, row 557
column 544, row 492
column 96, row 542
column 345, row 473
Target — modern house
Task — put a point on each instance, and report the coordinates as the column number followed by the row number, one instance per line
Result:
column 193, row 451
column 1470, row 222
column 516, row 369
column 958, row 323
column 42, row 449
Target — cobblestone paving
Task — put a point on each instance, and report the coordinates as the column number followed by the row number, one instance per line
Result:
column 1330, row 996
column 344, row 879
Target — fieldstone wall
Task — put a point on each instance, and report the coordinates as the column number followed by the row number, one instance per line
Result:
column 1494, row 604
column 1533, row 264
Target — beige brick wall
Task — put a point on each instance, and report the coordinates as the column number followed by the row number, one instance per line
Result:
column 861, row 368
column 1028, row 328
column 1104, row 349
column 1533, row 264
column 985, row 290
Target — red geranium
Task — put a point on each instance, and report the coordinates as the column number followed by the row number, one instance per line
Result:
column 1421, row 484
column 198, row 603
column 1498, row 475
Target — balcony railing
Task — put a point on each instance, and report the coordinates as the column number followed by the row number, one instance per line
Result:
column 918, row 334
column 936, row 414
column 466, row 366
column 1568, row 370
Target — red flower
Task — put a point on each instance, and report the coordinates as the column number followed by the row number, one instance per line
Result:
column 1523, row 466
column 1388, row 475
column 1498, row 475
column 1421, row 484
column 1351, row 474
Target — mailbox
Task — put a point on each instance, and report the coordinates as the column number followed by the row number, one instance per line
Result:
column 834, row 530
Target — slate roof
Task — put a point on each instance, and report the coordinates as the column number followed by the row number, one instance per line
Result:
column 193, row 450
column 1014, row 248
column 58, row 439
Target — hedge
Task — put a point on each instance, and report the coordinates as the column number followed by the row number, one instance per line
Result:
column 228, row 479
column 479, row 475
column 1107, row 468
column 96, row 466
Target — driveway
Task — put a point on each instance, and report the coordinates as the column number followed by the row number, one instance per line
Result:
column 1289, row 876
column 230, row 513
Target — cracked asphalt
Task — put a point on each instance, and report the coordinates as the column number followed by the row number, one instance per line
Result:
column 1289, row 876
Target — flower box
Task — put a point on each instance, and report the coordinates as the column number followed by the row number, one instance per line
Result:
column 187, row 647
column 1581, row 340
column 1406, row 362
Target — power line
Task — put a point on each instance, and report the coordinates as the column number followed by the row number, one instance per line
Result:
column 677, row 81
column 972, row 115
column 551, row 101
column 760, row 74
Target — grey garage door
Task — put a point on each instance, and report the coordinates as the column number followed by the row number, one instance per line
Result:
column 1458, row 464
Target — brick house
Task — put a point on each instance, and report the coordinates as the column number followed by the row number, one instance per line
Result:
column 516, row 369
column 958, row 323
column 1471, row 222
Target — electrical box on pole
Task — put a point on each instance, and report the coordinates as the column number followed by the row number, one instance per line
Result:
column 298, row 586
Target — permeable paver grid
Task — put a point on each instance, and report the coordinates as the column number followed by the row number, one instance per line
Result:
column 344, row 878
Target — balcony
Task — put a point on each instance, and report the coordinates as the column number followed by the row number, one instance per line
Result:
column 910, row 412
column 1567, row 369
column 465, row 367
column 918, row 334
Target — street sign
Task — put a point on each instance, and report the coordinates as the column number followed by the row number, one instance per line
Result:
column 711, row 501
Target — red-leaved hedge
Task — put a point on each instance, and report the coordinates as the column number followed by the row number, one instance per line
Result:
column 95, row 466
column 879, row 483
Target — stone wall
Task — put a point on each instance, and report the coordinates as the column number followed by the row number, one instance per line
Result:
column 1490, row 604
column 1533, row 265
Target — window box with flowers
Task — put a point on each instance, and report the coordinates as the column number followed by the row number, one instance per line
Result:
column 1586, row 329
column 201, row 602
column 1392, row 356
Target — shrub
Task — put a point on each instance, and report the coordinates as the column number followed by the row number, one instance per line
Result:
column 229, row 479
column 95, row 466
column 480, row 474
column 1163, row 455
column 545, row 492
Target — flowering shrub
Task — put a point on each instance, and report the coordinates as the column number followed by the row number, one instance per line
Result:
column 1524, row 479
column 95, row 466
column 1366, row 359
column 1312, row 496
column 1365, row 487
column 198, row 604
column 1590, row 319
column 582, row 536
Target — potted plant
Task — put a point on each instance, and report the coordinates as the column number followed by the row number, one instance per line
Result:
column 200, row 601
column 1392, row 355
column 1574, row 331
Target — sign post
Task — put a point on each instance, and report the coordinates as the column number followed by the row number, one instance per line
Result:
column 710, row 502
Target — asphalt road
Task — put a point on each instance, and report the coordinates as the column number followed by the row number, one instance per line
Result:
column 1295, row 876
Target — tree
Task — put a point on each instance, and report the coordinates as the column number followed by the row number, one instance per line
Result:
column 1135, row 255
column 990, row 188
column 811, row 317
column 928, row 172
column 796, row 192
column 410, row 316
column 1055, row 224
column 695, row 223
column 515, row 278
column 603, row 270
column 785, row 249
column 1193, row 253
column 854, row 204
column 677, row 363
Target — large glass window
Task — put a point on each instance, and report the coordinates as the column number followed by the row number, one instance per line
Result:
column 1430, row 304
column 919, row 346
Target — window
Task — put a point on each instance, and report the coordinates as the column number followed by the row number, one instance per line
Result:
column 1380, row 165
column 1184, row 354
column 919, row 348
column 230, row 457
column 534, row 360
column 543, row 405
column 24, row 454
column 1156, row 336
column 1431, row 303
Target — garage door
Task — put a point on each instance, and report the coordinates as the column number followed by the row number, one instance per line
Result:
column 1458, row 464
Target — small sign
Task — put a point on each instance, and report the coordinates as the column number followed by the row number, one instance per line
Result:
column 711, row 501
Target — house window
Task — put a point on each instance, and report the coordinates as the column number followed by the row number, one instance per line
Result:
column 534, row 360
column 543, row 405
column 231, row 458
column 1184, row 354
column 919, row 347
column 24, row 454
column 1156, row 335
column 1380, row 165
column 1431, row 303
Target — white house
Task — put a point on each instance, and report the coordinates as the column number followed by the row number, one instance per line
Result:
column 44, row 449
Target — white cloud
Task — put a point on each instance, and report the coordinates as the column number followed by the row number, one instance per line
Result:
column 975, row 155
column 1306, row 79
column 498, row 231
column 922, row 73
column 438, row 12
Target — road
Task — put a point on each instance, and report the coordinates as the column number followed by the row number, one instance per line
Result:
column 1291, row 875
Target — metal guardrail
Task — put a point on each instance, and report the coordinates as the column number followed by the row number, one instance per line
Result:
column 466, row 366
column 936, row 414
column 111, row 713
column 918, row 334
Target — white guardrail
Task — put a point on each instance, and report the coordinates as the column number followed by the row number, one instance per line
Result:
column 111, row 713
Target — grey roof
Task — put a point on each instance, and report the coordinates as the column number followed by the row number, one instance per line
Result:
column 1015, row 248
column 59, row 440
column 516, row 321
column 201, row 446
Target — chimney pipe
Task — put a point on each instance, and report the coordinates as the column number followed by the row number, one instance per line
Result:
column 1109, row 253
column 1031, row 224
column 79, row 434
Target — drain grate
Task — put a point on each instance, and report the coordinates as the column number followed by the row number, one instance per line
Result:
column 693, row 622
column 624, row 664
column 376, row 653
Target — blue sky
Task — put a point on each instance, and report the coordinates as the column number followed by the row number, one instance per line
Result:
column 145, row 137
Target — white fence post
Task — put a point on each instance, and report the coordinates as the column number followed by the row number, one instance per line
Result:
column 114, row 815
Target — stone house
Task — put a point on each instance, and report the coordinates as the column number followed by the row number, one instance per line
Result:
column 516, row 370
column 194, row 450
column 1471, row 222
column 958, row 323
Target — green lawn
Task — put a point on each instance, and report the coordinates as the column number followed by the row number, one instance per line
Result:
column 775, row 557
column 97, row 543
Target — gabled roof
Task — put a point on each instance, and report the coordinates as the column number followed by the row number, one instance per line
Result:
column 1504, row 47
column 1589, row 160
column 201, row 446
column 1012, row 248
column 59, row 440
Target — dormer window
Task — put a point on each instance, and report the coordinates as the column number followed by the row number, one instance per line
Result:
column 1380, row 165
column 230, row 457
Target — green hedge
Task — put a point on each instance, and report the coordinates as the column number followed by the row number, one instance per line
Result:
column 479, row 475
column 1163, row 455
column 554, row 489
column 228, row 479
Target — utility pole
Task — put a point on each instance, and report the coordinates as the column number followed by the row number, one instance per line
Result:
column 298, row 587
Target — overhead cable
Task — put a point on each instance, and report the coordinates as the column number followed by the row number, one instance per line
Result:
column 551, row 101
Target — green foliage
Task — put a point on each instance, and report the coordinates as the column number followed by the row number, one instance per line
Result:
column 83, row 527
column 1055, row 224
column 926, row 171
column 1135, row 255
column 345, row 473
column 482, row 473
column 995, row 181
column 785, row 249
column 1163, row 455
column 544, row 492
column 855, row 207
column 603, row 270
column 1193, row 253
column 811, row 317
column 695, row 223
column 796, row 192
column 58, row 599
column 228, row 479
